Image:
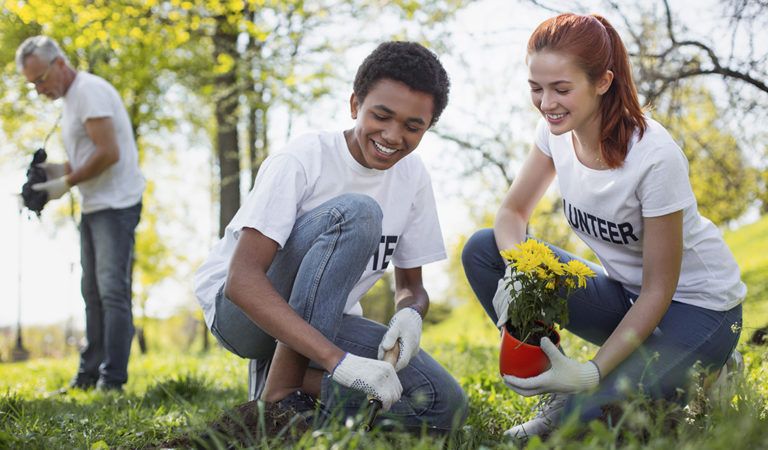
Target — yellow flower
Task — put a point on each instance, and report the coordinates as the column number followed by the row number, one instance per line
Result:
column 511, row 254
column 542, row 273
column 554, row 264
column 539, row 249
column 525, row 264
column 579, row 271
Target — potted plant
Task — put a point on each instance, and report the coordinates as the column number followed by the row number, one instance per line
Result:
column 539, row 285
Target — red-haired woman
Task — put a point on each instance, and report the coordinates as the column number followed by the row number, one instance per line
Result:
column 668, row 291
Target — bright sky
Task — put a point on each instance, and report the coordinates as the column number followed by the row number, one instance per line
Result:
column 39, row 261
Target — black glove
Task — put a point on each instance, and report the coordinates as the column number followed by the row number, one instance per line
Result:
column 35, row 200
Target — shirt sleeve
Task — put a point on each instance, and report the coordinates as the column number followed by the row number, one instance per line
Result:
column 665, row 187
column 272, row 204
column 542, row 137
column 422, row 240
column 97, row 103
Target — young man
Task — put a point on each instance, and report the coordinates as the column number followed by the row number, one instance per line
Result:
column 323, row 221
column 103, row 162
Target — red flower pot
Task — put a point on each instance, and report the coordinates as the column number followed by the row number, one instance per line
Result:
column 523, row 360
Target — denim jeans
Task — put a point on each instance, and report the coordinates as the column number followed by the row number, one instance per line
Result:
column 106, row 256
column 315, row 271
column 661, row 367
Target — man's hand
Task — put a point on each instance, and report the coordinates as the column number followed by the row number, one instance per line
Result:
column 566, row 375
column 53, row 170
column 406, row 325
column 374, row 377
column 502, row 297
column 55, row 188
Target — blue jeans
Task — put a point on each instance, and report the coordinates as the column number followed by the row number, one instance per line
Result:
column 106, row 257
column 661, row 367
column 315, row 271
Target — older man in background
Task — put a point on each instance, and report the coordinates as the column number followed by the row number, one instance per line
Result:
column 103, row 164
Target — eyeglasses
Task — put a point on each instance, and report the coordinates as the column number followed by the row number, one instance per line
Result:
column 42, row 78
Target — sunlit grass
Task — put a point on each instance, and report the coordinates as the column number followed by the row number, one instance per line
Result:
column 172, row 392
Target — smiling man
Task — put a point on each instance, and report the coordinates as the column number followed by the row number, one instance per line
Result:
column 103, row 162
column 326, row 217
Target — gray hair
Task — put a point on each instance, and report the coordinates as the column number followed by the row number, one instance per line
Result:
column 43, row 47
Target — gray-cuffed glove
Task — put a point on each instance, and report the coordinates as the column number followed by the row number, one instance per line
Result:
column 55, row 188
column 374, row 377
column 406, row 325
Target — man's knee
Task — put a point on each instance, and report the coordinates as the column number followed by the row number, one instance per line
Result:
column 362, row 213
column 361, row 206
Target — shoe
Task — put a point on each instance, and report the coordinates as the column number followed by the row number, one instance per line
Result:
column 735, row 362
column 105, row 387
column 306, row 406
column 75, row 384
column 734, row 365
column 548, row 413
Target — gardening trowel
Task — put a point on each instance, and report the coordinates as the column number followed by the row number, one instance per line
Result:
column 374, row 404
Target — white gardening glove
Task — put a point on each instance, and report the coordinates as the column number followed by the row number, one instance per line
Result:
column 566, row 375
column 53, row 170
column 55, row 188
column 406, row 325
column 374, row 377
column 502, row 298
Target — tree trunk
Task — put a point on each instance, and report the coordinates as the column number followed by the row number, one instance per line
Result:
column 227, row 148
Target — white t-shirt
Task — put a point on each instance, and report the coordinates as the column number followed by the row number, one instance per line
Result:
column 312, row 170
column 606, row 208
column 122, row 184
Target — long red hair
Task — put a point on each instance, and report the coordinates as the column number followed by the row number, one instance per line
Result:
column 596, row 48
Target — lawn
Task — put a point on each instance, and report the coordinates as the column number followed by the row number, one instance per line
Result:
column 172, row 393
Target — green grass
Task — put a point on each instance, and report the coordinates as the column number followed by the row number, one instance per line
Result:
column 749, row 245
column 171, row 393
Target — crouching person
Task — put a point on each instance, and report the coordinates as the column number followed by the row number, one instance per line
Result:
column 325, row 218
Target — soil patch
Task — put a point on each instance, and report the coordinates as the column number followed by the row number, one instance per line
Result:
column 247, row 424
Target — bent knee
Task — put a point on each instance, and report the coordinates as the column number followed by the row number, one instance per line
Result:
column 478, row 244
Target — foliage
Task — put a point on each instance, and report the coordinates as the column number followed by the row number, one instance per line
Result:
column 540, row 285
column 721, row 177
column 379, row 302
column 750, row 247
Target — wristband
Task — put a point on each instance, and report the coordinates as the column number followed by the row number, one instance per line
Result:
column 417, row 312
column 599, row 375
column 345, row 355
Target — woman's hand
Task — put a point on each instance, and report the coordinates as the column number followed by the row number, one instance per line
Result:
column 566, row 375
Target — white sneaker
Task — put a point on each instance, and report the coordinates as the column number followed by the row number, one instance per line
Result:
column 548, row 413
column 735, row 364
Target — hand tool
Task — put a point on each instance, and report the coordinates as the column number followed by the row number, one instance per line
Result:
column 374, row 404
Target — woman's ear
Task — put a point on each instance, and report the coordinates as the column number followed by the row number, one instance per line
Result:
column 604, row 83
column 353, row 105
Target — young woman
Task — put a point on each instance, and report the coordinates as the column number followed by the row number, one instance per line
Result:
column 668, row 291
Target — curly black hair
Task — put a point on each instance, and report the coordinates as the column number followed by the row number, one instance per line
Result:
column 409, row 63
